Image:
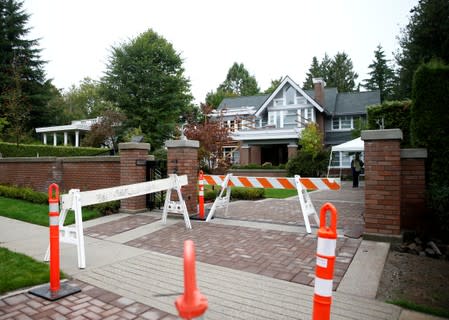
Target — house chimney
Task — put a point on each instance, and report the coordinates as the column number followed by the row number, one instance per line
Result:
column 318, row 87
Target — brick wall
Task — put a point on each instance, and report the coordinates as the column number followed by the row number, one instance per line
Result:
column 182, row 159
column 382, row 181
column 133, row 168
column 84, row 173
column 413, row 189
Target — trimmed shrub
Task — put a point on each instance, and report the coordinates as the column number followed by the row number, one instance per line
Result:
column 23, row 150
column 247, row 193
column 395, row 114
column 27, row 194
column 306, row 166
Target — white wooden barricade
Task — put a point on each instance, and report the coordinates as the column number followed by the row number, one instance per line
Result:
column 298, row 183
column 75, row 200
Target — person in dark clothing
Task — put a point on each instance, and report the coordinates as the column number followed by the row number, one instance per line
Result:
column 356, row 168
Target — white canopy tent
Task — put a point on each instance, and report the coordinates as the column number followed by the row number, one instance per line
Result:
column 356, row 145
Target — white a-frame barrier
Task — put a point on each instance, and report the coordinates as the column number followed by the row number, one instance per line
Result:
column 298, row 183
column 75, row 200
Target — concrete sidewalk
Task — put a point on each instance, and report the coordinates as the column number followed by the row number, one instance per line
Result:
column 152, row 280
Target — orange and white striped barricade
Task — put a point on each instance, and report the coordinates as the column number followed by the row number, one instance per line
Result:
column 307, row 207
column 54, row 290
column 201, row 195
column 222, row 200
column 325, row 261
column 192, row 304
column 298, row 183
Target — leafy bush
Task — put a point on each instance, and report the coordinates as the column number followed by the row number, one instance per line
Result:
column 106, row 208
column 27, row 194
column 266, row 165
column 23, row 150
column 247, row 193
column 305, row 165
column 236, row 193
column 395, row 114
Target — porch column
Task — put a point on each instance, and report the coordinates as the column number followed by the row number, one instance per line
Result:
column 55, row 139
column 45, row 138
column 244, row 155
column 65, row 138
column 77, row 138
column 292, row 151
column 255, row 155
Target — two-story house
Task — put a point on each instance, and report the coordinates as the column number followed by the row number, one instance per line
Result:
column 266, row 128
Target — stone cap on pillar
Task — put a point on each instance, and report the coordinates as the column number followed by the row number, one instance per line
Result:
column 385, row 134
column 134, row 146
column 182, row 144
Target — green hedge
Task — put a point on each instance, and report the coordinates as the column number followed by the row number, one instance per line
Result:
column 24, row 150
column 396, row 114
column 266, row 165
column 306, row 166
column 430, row 129
column 30, row 195
column 236, row 193
column 26, row 194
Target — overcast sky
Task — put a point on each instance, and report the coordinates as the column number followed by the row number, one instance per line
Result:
column 271, row 38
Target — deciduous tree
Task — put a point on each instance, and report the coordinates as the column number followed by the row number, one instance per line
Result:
column 145, row 78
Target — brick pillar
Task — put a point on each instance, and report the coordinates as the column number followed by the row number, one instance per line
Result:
column 413, row 189
column 382, row 181
column 133, row 169
column 182, row 159
column 244, row 155
column 254, row 155
column 292, row 150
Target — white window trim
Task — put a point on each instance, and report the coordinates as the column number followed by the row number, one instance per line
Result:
column 339, row 124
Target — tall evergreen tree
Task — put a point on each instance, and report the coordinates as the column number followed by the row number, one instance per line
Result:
column 382, row 76
column 239, row 82
column 21, row 69
column 336, row 72
column 315, row 71
column 426, row 36
column 341, row 74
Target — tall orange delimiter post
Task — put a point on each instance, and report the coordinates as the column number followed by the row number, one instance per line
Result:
column 53, row 213
column 201, row 194
column 325, row 261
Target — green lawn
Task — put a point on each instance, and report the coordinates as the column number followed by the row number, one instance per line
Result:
column 280, row 193
column 19, row 271
column 35, row 213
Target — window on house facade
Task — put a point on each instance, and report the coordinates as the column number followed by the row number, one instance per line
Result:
column 343, row 123
column 305, row 115
column 290, row 95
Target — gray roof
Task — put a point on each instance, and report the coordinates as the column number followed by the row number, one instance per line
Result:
column 238, row 102
column 335, row 103
column 355, row 102
column 330, row 96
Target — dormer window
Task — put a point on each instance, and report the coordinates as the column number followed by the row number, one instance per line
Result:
column 290, row 95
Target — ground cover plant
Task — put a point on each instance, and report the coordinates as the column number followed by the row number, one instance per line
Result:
column 19, row 271
column 36, row 213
